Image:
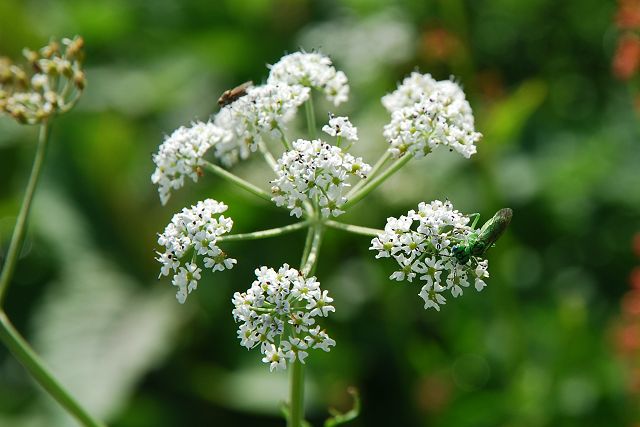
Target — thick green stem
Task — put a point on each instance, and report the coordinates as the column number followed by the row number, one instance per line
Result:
column 263, row 234
column 223, row 173
column 307, row 265
column 356, row 229
column 296, row 415
column 296, row 386
column 30, row 360
column 311, row 116
column 355, row 197
column 21, row 223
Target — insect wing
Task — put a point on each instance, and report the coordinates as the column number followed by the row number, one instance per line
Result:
column 231, row 95
column 492, row 230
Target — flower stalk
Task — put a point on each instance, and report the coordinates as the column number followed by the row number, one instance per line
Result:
column 311, row 116
column 355, row 197
column 21, row 223
column 264, row 234
column 245, row 185
column 355, row 229
column 296, row 384
column 22, row 351
column 296, row 414
column 312, row 257
column 374, row 170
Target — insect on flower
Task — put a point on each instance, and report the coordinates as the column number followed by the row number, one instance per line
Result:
column 478, row 242
column 231, row 95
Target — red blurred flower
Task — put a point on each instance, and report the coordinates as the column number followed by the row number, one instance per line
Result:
column 628, row 338
column 628, row 16
column 634, row 278
column 631, row 303
column 636, row 244
column 440, row 44
column 627, row 57
column 434, row 392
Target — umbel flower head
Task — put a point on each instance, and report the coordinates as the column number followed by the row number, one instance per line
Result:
column 263, row 110
column 182, row 153
column 52, row 84
column 311, row 70
column 341, row 128
column 422, row 244
column 192, row 235
column 426, row 114
column 316, row 172
column 278, row 314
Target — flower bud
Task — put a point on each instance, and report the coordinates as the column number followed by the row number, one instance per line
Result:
column 74, row 48
column 5, row 70
column 19, row 76
column 50, row 50
column 79, row 79
column 63, row 67
column 31, row 56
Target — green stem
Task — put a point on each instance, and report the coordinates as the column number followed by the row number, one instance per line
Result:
column 307, row 247
column 263, row 234
column 296, row 387
column 296, row 416
column 355, row 197
column 374, row 170
column 223, row 173
column 268, row 157
column 18, row 232
column 312, row 257
column 283, row 139
column 356, row 229
column 30, row 360
column 311, row 116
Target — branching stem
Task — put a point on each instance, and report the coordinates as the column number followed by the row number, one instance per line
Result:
column 263, row 234
column 356, row 229
column 223, row 173
column 355, row 197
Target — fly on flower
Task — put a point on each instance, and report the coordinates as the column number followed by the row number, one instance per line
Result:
column 479, row 242
column 228, row 96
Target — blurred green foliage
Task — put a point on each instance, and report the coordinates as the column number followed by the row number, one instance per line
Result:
column 560, row 148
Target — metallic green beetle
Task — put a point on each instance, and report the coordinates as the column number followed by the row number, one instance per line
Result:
column 481, row 240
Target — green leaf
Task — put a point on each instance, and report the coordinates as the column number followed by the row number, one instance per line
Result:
column 97, row 329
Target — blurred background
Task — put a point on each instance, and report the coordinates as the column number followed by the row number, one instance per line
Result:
column 554, row 340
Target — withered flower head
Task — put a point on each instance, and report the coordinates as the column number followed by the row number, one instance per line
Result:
column 51, row 83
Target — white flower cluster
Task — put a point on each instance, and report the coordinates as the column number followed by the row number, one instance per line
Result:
column 317, row 172
column 263, row 110
column 341, row 127
column 311, row 70
column 426, row 113
column 193, row 233
column 422, row 242
column 412, row 89
column 181, row 154
column 278, row 313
